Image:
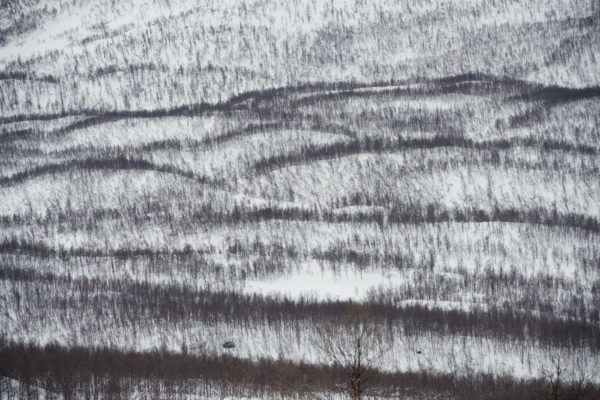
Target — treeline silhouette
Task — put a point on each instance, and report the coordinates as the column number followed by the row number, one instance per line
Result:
column 265, row 260
column 78, row 372
column 311, row 153
column 134, row 302
column 398, row 213
column 42, row 250
column 107, row 163
column 250, row 129
column 263, row 99
column 554, row 95
column 18, row 134
column 278, row 120
column 17, row 75
column 469, row 83
column 414, row 214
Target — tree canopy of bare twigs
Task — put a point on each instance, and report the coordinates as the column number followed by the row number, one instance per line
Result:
column 353, row 344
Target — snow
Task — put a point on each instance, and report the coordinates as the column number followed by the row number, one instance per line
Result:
column 50, row 36
column 455, row 263
column 462, row 187
column 312, row 281
column 12, row 387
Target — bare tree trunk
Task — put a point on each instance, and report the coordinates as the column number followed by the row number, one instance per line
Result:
column 352, row 345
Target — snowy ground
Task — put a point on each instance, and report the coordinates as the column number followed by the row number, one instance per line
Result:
column 177, row 174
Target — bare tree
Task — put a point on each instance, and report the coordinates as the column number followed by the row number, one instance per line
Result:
column 353, row 344
column 569, row 383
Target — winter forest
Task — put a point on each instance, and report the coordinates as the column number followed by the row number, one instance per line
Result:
column 307, row 199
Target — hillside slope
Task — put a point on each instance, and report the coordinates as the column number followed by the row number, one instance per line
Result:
column 176, row 175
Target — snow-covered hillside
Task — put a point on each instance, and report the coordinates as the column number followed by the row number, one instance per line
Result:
column 209, row 186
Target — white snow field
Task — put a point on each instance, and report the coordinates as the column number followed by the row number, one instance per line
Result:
column 199, row 198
